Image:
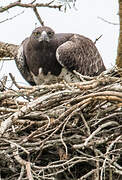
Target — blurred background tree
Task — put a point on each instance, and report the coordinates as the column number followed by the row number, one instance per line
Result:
column 119, row 51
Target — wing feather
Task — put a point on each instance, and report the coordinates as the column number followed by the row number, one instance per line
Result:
column 22, row 65
column 79, row 53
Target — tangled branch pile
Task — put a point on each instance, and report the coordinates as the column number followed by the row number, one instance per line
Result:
column 62, row 131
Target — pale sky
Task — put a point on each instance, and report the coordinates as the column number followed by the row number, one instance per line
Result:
column 83, row 21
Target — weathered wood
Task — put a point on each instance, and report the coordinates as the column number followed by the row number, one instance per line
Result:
column 61, row 128
column 8, row 50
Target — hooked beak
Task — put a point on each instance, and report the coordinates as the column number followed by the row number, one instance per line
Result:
column 44, row 37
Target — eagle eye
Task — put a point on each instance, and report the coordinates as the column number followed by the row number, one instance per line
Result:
column 50, row 33
column 37, row 33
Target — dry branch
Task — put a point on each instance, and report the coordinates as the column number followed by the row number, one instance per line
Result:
column 8, row 50
column 29, row 5
column 32, row 5
column 62, row 131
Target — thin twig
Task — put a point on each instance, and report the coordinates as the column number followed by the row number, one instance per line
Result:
column 8, row 19
column 107, row 21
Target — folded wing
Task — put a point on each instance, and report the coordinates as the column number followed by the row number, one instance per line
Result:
column 22, row 65
column 80, row 53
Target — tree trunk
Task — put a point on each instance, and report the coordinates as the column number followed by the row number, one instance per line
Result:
column 119, row 50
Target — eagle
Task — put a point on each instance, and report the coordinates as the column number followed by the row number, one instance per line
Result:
column 47, row 57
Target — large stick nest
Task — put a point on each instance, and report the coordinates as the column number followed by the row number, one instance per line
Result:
column 62, row 131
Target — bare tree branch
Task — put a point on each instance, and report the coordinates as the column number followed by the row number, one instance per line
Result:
column 107, row 21
column 59, row 129
column 29, row 5
column 38, row 16
column 11, row 17
column 8, row 50
column 33, row 5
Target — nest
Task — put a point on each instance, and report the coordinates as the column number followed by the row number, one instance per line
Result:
column 62, row 131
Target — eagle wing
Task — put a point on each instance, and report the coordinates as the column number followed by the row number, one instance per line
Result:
column 80, row 53
column 22, row 65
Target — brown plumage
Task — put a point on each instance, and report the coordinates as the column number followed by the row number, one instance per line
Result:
column 46, row 57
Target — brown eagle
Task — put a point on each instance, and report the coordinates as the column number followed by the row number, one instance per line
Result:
column 46, row 57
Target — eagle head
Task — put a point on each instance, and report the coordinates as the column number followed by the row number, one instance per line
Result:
column 43, row 33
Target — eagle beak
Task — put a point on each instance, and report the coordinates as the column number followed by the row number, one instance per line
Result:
column 44, row 37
